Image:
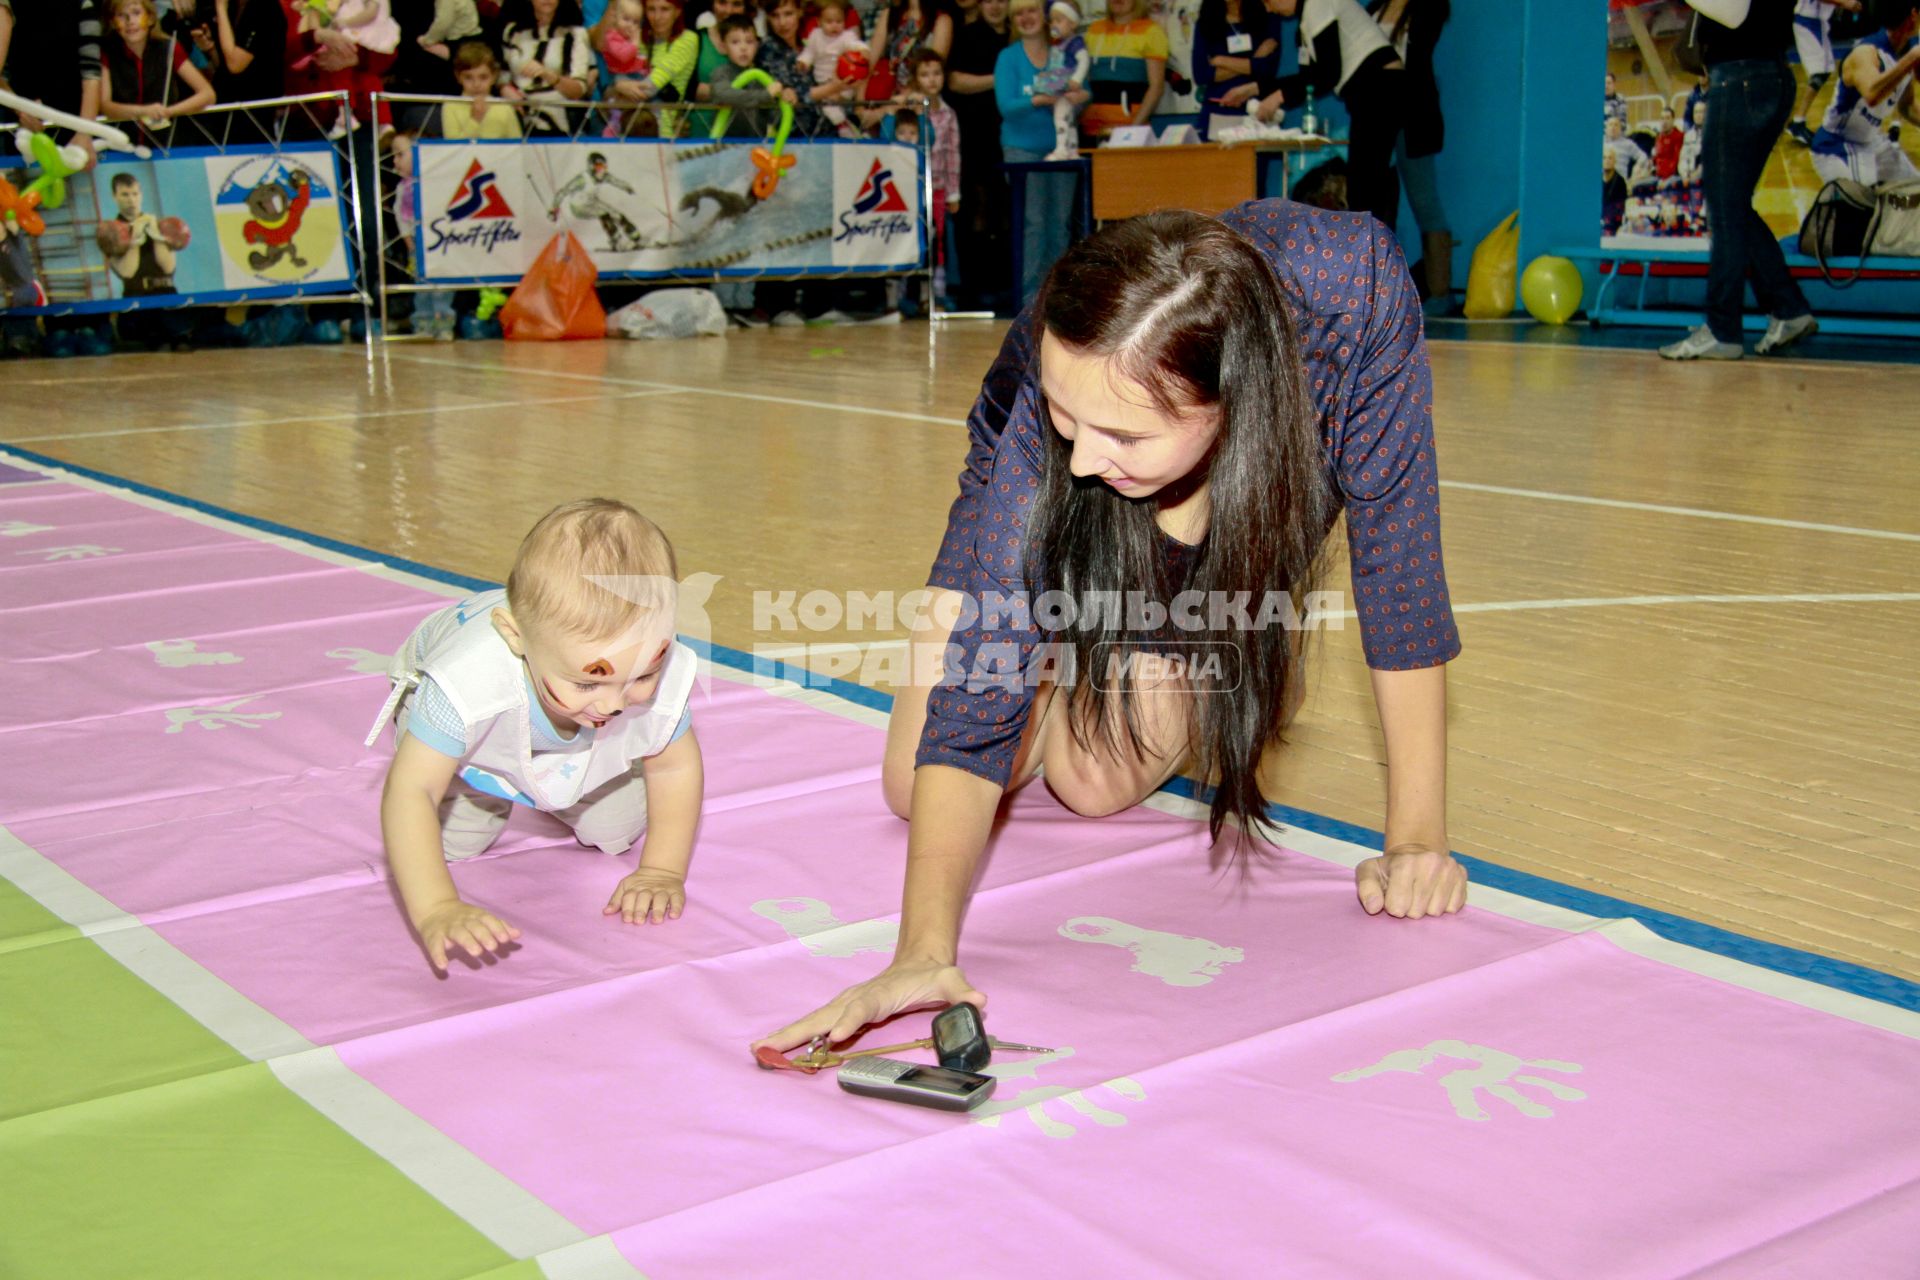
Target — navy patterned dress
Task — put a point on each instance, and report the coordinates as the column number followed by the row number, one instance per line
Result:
column 1358, row 322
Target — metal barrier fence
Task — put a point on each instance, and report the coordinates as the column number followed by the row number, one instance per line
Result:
column 657, row 193
column 254, row 202
column 280, row 201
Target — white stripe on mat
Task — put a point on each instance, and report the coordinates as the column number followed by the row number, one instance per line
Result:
column 514, row 1219
column 499, row 1208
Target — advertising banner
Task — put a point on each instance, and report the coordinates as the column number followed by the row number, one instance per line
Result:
column 484, row 210
column 194, row 225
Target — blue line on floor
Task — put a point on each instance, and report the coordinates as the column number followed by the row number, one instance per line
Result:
column 1842, row 975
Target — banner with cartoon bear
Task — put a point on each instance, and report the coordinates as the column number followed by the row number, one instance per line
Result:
column 482, row 211
column 193, row 225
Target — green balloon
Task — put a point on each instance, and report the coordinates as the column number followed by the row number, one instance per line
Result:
column 1551, row 288
column 746, row 79
column 51, row 185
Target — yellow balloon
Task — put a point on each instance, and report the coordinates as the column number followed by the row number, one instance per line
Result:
column 1551, row 288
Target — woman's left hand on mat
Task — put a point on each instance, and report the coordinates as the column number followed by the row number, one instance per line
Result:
column 661, row 895
column 1411, row 881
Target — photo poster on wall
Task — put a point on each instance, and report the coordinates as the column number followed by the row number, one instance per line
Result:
column 194, row 225
column 1653, row 125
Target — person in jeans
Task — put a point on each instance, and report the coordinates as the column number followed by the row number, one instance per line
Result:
column 1750, row 92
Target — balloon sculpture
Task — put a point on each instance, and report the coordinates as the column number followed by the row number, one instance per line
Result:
column 113, row 137
column 1551, row 288
column 21, row 206
column 770, row 163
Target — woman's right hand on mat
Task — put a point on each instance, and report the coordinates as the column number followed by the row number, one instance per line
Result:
column 475, row 930
column 901, row 986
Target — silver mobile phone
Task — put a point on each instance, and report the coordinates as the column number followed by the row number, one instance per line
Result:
column 917, row 1083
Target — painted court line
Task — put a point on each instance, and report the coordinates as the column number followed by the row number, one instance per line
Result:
column 322, row 417
column 861, row 409
column 1698, row 513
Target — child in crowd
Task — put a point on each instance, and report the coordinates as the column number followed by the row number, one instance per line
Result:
column 665, row 55
column 1063, row 24
column 548, row 695
column 481, row 115
column 825, row 45
column 621, row 43
column 926, row 79
column 148, row 79
column 712, row 55
column 737, row 37
column 433, row 310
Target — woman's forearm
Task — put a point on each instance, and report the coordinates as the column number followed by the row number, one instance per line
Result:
column 1413, row 719
column 952, row 818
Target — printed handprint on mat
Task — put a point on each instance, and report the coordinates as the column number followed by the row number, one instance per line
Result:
column 813, row 922
column 1034, row 1102
column 219, row 717
column 78, row 551
column 186, row 653
column 365, row 661
column 20, row 528
column 1175, row 959
column 1491, row 1069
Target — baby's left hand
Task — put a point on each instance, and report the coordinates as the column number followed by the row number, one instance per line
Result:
column 661, row 895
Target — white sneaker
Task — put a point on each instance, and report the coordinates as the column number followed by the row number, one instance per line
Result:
column 1702, row 345
column 1782, row 334
column 832, row 317
column 789, row 320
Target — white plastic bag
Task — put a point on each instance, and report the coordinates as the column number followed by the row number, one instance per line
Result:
column 1728, row 13
column 669, row 313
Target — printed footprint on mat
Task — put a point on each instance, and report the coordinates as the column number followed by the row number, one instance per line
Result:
column 813, row 922
column 1175, row 959
column 365, row 661
column 1488, row 1069
column 219, row 717
column 186, row 653
column 78, row 551
column 1072, row 1103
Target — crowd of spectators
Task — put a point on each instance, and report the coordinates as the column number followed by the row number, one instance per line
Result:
column 977, row 82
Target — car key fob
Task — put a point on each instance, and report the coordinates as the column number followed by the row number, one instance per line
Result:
column 960, row 1038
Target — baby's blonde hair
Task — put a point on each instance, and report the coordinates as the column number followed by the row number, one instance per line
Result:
column 553, row 585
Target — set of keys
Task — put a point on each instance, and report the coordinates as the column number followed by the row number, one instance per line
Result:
column 959, row 1040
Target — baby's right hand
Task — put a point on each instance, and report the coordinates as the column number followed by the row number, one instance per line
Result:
column 476, row 930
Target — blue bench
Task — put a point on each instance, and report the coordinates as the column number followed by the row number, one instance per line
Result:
column 1692, row 263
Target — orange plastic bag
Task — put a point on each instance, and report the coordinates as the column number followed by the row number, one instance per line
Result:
column 556, row 299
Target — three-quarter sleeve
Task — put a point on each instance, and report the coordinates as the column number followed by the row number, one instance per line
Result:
column 985, row 424
column 1389, row 478
column 976, row 716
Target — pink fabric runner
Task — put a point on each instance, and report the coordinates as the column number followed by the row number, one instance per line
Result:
column 1253, row 1077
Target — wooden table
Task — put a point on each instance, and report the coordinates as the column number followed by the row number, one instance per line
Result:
column 1204, row 176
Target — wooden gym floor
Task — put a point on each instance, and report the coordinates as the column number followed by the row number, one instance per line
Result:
column 1689, row 595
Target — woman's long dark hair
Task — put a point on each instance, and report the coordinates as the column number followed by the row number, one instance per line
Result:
column 1190, row 311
